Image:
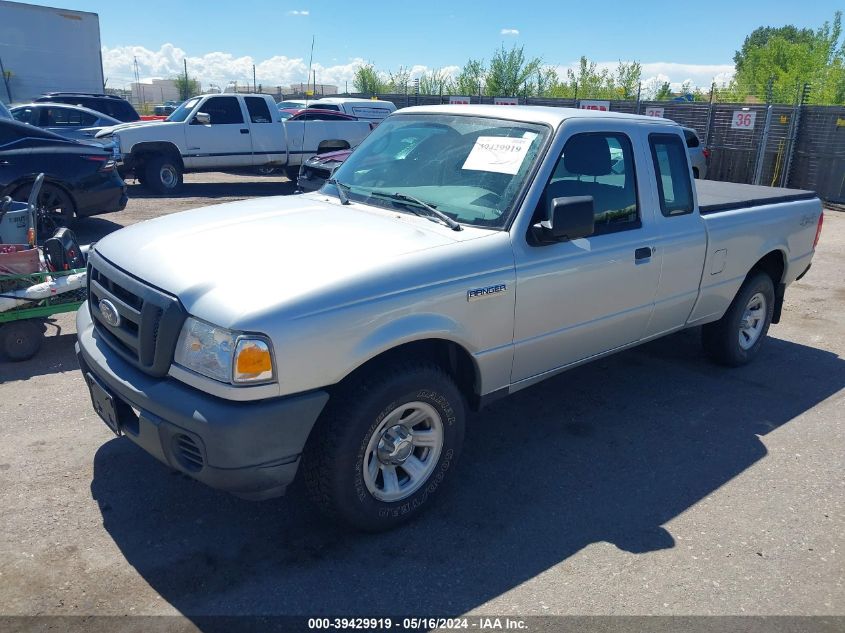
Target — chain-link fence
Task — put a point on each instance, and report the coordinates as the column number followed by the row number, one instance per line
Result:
column 795, row 146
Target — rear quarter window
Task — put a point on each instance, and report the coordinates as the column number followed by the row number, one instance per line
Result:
column 671, row 168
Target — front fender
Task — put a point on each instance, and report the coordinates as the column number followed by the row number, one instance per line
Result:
column 410, row 328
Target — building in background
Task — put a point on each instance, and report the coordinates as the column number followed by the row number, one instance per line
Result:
column 43, row 49
column 154, row 91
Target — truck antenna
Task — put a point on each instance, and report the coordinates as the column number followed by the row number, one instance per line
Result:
column 305, row 117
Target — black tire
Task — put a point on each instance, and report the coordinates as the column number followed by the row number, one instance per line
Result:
column 163, row 174
column 55, row 207
column 722, row 339
column 266, row 170
column 292, row 173
column 21, row 340
column 360, row 414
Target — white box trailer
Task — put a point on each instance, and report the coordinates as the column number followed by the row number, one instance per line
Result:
column 43, row 49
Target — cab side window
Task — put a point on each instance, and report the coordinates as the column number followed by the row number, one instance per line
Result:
column 669, row 154
column 223, row 110
column 600, row 165
column 258, row 110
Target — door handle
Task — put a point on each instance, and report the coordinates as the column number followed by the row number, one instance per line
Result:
column 244, row 130
column 643, row 253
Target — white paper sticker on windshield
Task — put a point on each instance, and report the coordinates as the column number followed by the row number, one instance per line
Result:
column 500, row 154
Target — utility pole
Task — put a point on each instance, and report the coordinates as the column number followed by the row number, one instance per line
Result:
column 253, row 78
column 187, row 84
column 138, row 81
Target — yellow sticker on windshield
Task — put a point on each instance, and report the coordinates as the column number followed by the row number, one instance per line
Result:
column 499, row 154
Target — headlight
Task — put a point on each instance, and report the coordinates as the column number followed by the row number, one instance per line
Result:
column 224, row 355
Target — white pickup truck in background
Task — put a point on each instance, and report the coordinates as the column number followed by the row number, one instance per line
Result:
column 213, row 132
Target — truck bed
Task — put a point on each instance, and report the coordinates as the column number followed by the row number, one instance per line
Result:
column 715, row 196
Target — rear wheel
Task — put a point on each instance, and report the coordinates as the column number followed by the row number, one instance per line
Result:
column 21, row 340
column 162, row 174
column 384, row 446
column 55, row 207
column 736, row 338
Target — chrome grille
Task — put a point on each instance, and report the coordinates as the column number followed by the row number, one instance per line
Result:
column 150, row 320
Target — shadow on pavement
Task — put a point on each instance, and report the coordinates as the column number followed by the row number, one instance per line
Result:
column 610, row 451
column 90, row 230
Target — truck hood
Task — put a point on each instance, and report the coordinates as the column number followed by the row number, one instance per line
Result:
column 229, row 262
column 108, row 131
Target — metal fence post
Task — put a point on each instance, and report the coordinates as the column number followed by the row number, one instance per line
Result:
column 761, row 152
column 709, row 116
column 793, row 140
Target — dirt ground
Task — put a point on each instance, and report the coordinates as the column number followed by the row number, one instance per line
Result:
column 651, row 482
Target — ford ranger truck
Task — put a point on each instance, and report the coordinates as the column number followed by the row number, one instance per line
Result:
column 215, row 132
column 460, row 254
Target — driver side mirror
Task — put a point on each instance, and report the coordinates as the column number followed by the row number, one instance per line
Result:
column 202, row 118
column 567, row 218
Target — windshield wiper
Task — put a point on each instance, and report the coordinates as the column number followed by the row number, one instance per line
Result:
column 341, row 190
column 433, row 211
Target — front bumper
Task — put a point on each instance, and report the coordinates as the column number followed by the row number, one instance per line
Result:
column 250, row 449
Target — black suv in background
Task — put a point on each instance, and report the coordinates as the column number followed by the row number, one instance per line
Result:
column 111, row 105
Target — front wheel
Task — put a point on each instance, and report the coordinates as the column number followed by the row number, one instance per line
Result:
column 385, row 445
column 736, row 338
column 163, row 175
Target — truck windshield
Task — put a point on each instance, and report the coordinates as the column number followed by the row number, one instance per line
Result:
column 181, row 113
column 470, row 168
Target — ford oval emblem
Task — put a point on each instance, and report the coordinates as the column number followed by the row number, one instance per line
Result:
column 109, row 312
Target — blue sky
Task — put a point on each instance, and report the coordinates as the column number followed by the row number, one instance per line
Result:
column 675, row 40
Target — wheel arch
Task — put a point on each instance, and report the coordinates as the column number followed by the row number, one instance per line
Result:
column 773, row 264
column 29, row 179
column 332, row 145
column 449, row 355
column 142, row 151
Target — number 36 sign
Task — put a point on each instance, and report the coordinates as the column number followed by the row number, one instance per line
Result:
column 743, row 120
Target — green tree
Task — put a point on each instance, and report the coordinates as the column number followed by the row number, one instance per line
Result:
column 469, row 80
column 511, row 74
column 435, row 82
column 186, row 86
column 398, row 82
column 760, row 36
column 592, row 83
column 664, row 92
column 628, row 78
column 368, row 81
column 780, row 60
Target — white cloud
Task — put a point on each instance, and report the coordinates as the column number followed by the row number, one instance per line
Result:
column 303, row 12
column 509, row 32
column 219, row 68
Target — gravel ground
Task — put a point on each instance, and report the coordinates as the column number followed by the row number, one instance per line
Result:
column 652, row 482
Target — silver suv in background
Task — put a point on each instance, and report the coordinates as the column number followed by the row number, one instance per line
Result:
column 698, row 154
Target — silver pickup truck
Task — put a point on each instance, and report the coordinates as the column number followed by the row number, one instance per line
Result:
column 460, row 254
